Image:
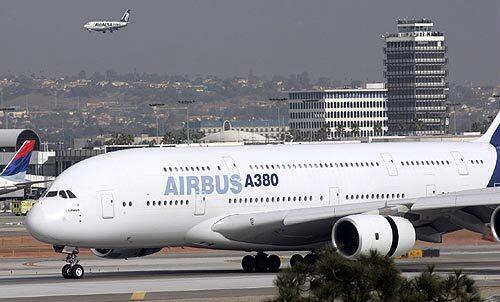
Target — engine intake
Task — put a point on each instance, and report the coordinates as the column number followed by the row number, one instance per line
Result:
column 124, row 253
column 358, row 234
column 495, row 224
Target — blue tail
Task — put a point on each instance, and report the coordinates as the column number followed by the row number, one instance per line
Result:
column 18, row 165
column 492, row 136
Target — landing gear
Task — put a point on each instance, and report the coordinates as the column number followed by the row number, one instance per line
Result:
column 261, row 263
column 310, row 258
column 72, row 270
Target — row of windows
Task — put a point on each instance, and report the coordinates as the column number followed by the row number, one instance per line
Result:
column 375, row 196
column 336, row 114
column 272, row 199
column 165, row 203
column 313, row 165
column 316, row 124
column 336, row 95
column 187, row 169
column 331, row 105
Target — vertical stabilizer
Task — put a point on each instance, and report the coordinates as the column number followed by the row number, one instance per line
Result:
column 492, row 135
column 125, row 16
column 18, row 165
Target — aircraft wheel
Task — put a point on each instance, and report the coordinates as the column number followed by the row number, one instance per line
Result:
column 310, row 258
column 273, row 263
column 297, row 258
column 77, row 271
column 66, row 271
column 261, row 262
column 248, row 263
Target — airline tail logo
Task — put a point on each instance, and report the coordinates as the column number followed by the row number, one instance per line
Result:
column 18, row 165
column 126, row 16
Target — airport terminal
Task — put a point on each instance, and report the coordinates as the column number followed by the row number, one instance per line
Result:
column 152, row 187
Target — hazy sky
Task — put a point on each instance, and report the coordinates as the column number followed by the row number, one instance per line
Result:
column 340, row 39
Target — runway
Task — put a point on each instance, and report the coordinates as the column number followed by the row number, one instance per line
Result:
column 196, row 276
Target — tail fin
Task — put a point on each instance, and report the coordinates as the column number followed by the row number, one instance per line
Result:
column 18, row 165
column 125, row 16
column 492, row 135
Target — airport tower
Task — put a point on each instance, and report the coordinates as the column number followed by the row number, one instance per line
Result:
column 415, row 72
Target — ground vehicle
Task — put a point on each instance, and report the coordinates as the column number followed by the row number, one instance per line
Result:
column 22, row 207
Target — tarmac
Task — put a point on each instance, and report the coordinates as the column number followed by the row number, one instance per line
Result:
column 193, row 275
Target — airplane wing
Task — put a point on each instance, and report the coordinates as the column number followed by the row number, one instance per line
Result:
column 18, row 186
column 432, row 216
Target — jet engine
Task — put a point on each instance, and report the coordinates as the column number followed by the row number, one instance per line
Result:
column 358, row 234
column 124, row 253
column 495, row 224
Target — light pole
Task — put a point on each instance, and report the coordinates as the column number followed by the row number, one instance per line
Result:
column 278, row 102
column 187, row 103
column 5, row 111
column 155, row 107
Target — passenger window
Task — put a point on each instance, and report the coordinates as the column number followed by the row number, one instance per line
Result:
column 70, row 194
column 51, row 194
column 63, row 194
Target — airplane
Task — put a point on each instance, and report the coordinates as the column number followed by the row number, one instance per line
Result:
column 13, row 177
column 355, row 197
column 110, row 26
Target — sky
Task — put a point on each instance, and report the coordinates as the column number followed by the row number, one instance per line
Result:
column 338, row 39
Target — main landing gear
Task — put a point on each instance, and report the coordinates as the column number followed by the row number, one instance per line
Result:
column 310, row 258
column 72, row 270
column 261, row 263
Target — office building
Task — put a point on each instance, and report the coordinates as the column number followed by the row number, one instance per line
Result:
column 334, row 113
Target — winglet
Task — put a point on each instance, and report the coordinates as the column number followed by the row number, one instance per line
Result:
column 18, row 165
column 492, row 135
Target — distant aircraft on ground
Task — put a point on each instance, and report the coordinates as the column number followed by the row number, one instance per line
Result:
column 13, row 177
column 110, row 26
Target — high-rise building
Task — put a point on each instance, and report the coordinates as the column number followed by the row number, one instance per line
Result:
column 415, row 72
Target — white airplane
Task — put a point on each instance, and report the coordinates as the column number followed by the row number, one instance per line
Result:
column 110, row 26
column 356, row 197
column 13, row 177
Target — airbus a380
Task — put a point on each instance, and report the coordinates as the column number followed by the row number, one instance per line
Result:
column 356, row 197
column 110, row 26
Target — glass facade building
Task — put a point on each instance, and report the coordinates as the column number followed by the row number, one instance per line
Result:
column 415, row 69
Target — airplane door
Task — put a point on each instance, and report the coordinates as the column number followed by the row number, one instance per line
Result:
column 430, row 190
column 460, row 162
column 334, row 196
column 199, row 205
column 230, row 165
column 108, row 208
column 389, row 164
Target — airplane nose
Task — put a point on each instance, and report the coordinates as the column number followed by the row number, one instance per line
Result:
column 41, row 224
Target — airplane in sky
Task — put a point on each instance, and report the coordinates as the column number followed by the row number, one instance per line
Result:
column 13, row 177
column 264, row 198
column 110, row 26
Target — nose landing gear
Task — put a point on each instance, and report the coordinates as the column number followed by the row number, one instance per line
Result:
column 72, row 270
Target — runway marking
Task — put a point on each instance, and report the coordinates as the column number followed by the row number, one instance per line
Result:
column 138, row 296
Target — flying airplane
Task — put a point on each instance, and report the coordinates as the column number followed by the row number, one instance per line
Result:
column 110, row 26
column 13, row 177
column 356, row 197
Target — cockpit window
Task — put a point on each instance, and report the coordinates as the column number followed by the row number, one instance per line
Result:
column 70, row 194
column 51, row 194
column 63, row 194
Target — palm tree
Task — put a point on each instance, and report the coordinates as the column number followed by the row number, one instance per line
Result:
column 339, row 129
column 355, row 129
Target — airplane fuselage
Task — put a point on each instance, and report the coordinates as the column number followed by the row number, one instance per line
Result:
column 104, row 26
column 158, row 197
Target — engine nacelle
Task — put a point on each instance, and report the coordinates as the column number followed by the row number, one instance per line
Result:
column 358, row 234
column 123, row 253
column 495, row 224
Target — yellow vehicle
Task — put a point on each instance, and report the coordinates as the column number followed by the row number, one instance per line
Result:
column 22, row 207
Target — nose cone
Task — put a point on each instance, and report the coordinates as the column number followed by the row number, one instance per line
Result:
column 86, row 26
column 42, row 225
